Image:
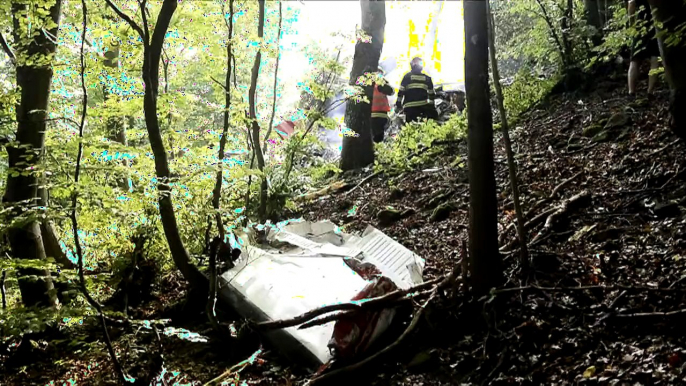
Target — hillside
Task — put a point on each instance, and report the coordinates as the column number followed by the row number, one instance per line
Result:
column 627, row 234
column 601, row 303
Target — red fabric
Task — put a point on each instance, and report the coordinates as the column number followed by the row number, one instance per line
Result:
column 380, row 102
column 353, row 335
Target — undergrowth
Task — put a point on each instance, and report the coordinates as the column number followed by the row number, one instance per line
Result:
column 414, row 144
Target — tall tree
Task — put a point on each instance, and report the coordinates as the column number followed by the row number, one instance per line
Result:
column 152, row 52
column 671, row 15
column 593, row 19
column 358, row 147
column 35, row 48
column 254, row 124
column 485, row 260
column 217, row 191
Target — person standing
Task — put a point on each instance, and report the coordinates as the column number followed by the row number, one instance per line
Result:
column 380, row 107
column 416, row 94
column 644, row 45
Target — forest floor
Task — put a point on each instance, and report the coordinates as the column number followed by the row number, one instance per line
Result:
column 622, row 237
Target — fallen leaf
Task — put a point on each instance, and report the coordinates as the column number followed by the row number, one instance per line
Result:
column 589, row 372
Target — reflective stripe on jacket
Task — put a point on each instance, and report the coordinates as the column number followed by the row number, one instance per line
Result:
column 416, row 90
column 380, row 102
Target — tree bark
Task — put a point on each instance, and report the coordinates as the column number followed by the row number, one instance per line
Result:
column 549, row 21
column 514, row 181
column 152, row 51
column 485, row 259
column 566, row 27
column 255, row 126
column 22, row 181
column 51, row 243
column 672, row 15
column 593, row 19
column 276, row 81
column 217, row 192
column 151, row 72
column 358, row 148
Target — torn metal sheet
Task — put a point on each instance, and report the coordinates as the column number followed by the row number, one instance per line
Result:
column 303, row 267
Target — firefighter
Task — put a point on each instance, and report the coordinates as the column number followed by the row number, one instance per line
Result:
column 380, row 107
column 416, row 94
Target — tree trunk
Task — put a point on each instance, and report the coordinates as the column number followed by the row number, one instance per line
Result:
column 217, row 192
column 255, row 126
column 485, row 260
column 51, row 244
column 152, row 52
column 514, row 181
column 151, row 72
column 566, row 27
column 593, row 19
column 116, row 126
column 672, row 15
column 22, row 183
column 358, row 147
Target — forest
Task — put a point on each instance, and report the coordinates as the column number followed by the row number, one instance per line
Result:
column 242, row 192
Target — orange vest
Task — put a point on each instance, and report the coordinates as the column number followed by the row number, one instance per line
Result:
column 380, row 102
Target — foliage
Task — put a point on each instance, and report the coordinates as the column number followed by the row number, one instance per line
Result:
column 618, row 36
column 413, row 145
column 525, row 90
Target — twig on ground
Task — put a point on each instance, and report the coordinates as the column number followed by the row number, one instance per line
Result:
column 369, row 177
column 534, row 221
column 553, row 194
column 552, row 219
column 652, row 314
column 585, row 288
column 348, row 369
column 663, row 148
column 536, row 206
column 240, row 366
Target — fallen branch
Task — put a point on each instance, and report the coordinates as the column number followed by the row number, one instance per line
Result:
column 369, row 177
column 531, row 223
column 364, row 304
column 387, row 303
column 585, row 288
column 562, row 209
column 539, row 204
column 552, row 195
column 663, row 148
column 652, row 314
column 389, row 348
column 243, row 364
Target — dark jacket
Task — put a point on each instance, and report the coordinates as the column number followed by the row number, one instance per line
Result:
column 416, row 90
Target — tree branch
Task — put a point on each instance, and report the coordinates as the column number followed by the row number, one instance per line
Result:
column 128, row 19
column 364, row 304
column 276, row 74
column 7, row 49
column 548, row 21
column 74, row 201
column 157, row 41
